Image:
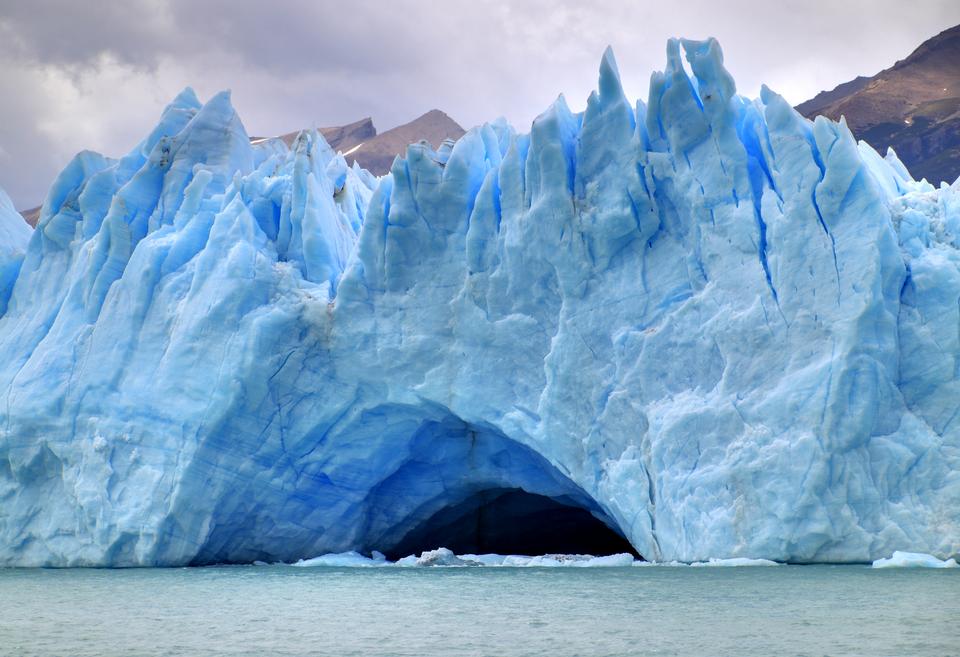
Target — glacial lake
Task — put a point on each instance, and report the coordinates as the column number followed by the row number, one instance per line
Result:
column 502, row 612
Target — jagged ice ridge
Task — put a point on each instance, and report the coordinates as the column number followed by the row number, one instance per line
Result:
column 723, row 329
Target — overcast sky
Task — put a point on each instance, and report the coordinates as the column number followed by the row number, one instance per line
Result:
column 76, row 75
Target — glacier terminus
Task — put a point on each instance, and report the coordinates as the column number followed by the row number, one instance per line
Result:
column 721, row 329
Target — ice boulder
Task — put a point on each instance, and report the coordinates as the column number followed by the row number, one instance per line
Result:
column 703, row 323
column 350, row 559
column 736, row 562
column 439, row 557
column 914, row 560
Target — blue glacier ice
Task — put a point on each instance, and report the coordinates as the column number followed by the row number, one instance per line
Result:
column 14, row 237
column 724, row 330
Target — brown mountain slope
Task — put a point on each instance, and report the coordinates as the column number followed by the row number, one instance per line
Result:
column 340, row 138
column 375, row 152
column 376, row 155
column 913, row 106
column 31, row 216
column 825, row 99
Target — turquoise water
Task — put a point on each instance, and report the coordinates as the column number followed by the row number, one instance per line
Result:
column 503, row 612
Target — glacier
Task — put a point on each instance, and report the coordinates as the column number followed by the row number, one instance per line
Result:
column 14, row 237
column 721, row 329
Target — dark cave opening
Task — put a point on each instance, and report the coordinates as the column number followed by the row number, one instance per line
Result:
column 512, row 521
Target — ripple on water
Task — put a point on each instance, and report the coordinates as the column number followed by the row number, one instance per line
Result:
column 510, row 612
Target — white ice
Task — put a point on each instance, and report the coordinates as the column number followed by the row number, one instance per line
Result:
column 445, row 557
column 914, row 560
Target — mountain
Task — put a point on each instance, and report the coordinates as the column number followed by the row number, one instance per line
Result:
column 32, row 216
column 377, row 154
column 913, row 107
column 359, row 142
column 703, row 323
column 340, row 138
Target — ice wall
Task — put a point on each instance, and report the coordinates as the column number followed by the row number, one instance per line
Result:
column 721, row 328
column 14, row 235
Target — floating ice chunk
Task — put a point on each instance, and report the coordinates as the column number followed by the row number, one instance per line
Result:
column 543, row 561
column 439, row 557
column 609, row 561
column 446, row 557
column 485, row 559
column 658, row 564
column 735, row 562
column 914, row 560
column 569, row 561
column 343, row 560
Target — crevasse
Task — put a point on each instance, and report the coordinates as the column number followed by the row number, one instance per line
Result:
column 723, row 330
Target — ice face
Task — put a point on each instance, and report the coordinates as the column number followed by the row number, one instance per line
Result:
column 721, row 329
column 14, row 236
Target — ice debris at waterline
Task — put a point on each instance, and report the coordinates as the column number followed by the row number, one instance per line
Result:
column 914, row 560
column 720, row 329
column 446, row 557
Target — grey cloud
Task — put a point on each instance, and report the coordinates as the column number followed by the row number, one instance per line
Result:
column 300, row 62
column 27, row 156
column 300, row 36
column 74, row 33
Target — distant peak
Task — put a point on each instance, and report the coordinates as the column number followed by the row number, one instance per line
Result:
column 940, row 44
column 910, row 107
column 361, row 122
column 433, row 114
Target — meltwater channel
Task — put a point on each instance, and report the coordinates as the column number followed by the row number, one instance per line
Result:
column 507, row 612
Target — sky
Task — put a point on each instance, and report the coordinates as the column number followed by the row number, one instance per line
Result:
column 80, row 74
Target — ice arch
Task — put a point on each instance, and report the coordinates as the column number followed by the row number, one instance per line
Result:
column 471, row 488
column 407, row 479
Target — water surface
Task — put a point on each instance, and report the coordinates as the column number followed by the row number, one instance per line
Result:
column 506, row 612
